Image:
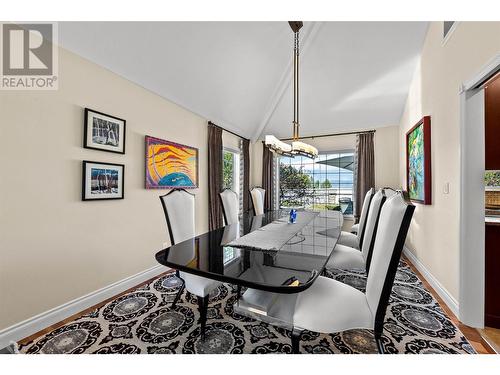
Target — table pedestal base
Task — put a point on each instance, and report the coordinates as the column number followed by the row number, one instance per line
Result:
column 273, row 308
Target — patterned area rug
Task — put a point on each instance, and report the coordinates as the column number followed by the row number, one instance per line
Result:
column 143, row 322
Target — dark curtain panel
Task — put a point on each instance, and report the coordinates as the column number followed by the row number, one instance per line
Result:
column 365, row 169
column 267, row 177
column 214, row 176
column 246, row 175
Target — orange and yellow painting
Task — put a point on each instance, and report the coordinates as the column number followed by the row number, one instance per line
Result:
column 170, row 165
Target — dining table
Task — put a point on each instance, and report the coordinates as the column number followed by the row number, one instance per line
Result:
column 268, row 259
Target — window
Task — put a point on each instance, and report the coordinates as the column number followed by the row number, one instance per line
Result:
column 231, row 170
column 325, row 183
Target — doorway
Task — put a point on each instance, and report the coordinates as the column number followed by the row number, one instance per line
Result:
column 472, row 197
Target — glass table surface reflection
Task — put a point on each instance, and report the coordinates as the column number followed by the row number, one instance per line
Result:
column 290, row 269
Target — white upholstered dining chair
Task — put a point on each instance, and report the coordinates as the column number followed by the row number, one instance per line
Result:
column 230, row 206
column 355, row 240
column 330, row 306
column 258, row 194
column 178, row 206
column 348, row 258
column 389, row 192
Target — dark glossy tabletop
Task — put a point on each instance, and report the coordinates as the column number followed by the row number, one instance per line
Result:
column 302, row 258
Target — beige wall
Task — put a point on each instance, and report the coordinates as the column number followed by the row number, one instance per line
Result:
column 386, row 144
column 434, row 232
column 256, row 164
column 53, row 246
column 230, row 141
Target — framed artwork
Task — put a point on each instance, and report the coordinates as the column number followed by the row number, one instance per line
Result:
column 170, row 165
column 103, row 132
column 418, row 162
column 101, row 181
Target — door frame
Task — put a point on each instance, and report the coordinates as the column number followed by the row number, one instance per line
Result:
column 472, row 249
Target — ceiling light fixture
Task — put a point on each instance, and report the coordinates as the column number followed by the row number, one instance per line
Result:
column 297, row 147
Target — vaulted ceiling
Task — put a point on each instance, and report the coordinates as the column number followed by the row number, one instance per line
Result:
column 353, row 75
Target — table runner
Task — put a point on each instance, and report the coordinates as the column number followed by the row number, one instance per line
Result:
column 276, row 234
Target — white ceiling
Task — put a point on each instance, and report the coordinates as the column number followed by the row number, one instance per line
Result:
column 354, row 75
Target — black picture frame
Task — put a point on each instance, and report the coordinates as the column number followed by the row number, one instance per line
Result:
column 88, row 141
column 87, row 181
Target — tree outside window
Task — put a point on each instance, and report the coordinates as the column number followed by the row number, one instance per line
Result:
column 324, row 183
column 228, row 170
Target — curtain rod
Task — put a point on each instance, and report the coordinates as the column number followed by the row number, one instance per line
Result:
column 229, row 131
column 329, row 135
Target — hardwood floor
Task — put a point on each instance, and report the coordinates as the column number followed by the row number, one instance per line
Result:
column 472, row 334
column 492, row 336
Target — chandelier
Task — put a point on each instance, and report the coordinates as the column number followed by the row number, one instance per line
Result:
column 297, row 147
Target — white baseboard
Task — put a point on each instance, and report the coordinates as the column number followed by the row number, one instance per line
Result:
column 448, row 299
column 37, row 323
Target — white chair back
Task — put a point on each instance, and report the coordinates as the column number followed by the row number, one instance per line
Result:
column 256, row 222
column 230, row 206
column 364, row 214
column 371, row 225
column 258, row 195
column 389, row 192
column 394, row 221
column 231, row 232
column 179, row 212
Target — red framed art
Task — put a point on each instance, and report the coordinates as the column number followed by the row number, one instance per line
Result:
column 418, row 162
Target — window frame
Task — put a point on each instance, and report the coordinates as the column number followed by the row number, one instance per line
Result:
column 336, row 186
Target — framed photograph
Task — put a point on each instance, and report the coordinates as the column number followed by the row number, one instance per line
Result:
column 103, row 132
column 102, row 181
column 170, row 165
column 418, row 162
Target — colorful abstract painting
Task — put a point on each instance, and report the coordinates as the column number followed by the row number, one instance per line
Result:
column 170, row 165
column 418, row 161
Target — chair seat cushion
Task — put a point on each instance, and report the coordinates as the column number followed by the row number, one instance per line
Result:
column 197, row 285
column 354, row 228
column 330, row 306
column 347, row 258
column 348, row 239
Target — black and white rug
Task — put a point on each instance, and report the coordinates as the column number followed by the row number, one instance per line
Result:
column 143, row 322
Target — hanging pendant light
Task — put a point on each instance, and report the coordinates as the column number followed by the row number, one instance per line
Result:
column 297, row 147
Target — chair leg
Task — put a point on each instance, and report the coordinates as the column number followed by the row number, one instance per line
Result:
column 378, row 337
column 238, row 292
column 203, row 307
column 296, row 341
column 181, row 289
